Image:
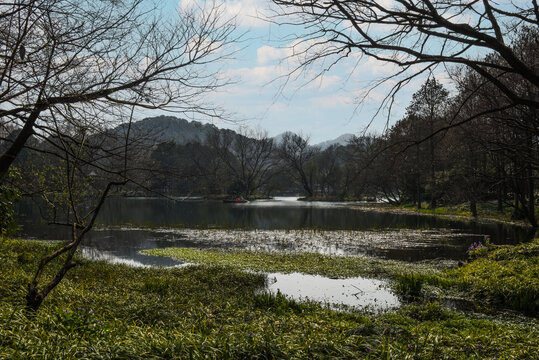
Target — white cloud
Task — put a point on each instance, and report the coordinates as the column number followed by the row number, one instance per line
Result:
column 324, row 82
column 267, row 54
column 249, row 13
column 293, row 62
column 379, row 67
column 332, row 101
column 258, row 75
column 368, row 96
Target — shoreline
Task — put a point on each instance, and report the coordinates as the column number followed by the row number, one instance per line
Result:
column 392, row 209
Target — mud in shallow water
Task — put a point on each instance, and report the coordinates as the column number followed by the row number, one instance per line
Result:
column 403, row 244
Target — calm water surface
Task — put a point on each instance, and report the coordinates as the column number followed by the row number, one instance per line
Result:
column 128, row 225
column 371, row 294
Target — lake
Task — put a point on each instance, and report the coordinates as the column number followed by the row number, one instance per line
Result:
column 128, row 225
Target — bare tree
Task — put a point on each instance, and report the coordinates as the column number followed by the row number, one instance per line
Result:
column 90, row 60
column 508, row 136
column 247, row 155
column 295, row 154
column 76, row 171
column 418, row 35
column 428, row 108
column 329, row 171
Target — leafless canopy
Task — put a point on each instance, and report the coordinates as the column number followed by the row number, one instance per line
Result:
column 86, row 63
column 247, row 155
column 417, row 35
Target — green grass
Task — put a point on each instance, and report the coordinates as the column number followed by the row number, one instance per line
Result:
column 507, row 277
column 307, row 263
column 459, row 210
column 104, row 311
column 486, row 211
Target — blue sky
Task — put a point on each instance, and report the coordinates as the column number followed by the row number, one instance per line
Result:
column 322, row 109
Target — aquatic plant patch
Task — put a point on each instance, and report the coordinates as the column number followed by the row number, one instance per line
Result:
column 302, row 262
column 499, row 277
column 326, row 242
column 506, row 277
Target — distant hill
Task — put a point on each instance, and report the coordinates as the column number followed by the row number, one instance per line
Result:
column 162, row 129
column 278, row 139
column 341, row 140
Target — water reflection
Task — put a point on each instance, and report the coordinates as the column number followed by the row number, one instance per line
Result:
column 357, row 292
column 279, row 213
column 282, row 224
column 114, row 258
column 340, row 230
column 124, row 247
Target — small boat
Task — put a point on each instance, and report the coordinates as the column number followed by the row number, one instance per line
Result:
column 238, row 200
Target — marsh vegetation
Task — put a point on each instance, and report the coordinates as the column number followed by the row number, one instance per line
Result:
column 104, row 310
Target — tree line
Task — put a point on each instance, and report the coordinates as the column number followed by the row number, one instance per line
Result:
column 467, row 147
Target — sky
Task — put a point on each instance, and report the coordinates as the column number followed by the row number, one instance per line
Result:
column 263, row 97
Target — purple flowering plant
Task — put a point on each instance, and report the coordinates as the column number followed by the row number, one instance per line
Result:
column 480, row 249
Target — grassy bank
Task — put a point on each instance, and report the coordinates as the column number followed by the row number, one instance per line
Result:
column 507, row 277
column 104, row 311
column 486, row 212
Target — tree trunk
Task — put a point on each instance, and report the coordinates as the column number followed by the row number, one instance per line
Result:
column 530, row 183
column 432, row 204
column 9, row 156
column 33, row 298
column 500, row 197
column 473, row 207
column 418, row 191
column 306, row 185
column 247, row 191
column 531, row 198
column 516, row 212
